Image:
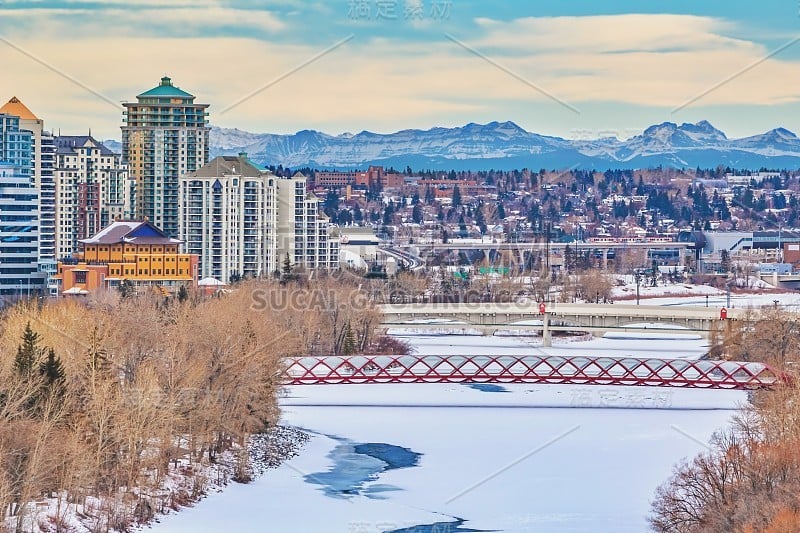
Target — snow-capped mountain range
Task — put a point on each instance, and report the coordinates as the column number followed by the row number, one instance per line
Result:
column 505, row 145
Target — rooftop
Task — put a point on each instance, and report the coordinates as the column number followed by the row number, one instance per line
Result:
column 17, row 108
column 165, row 89
column 68, row 143
column 130, row 232
column 224, row 165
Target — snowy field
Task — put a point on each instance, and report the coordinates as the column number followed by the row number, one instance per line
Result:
column 667, row 345
column 449, row 458
column 789, row 300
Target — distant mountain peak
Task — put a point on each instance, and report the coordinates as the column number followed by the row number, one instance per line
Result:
column 505, row 145
column 782, row 132
column 703, row 126
column 660, row 128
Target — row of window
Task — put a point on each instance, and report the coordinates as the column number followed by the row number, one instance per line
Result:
column 146, row 272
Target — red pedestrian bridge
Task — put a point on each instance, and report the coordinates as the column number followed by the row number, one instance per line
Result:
column 580, row 370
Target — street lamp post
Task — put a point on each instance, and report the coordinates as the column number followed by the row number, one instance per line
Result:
column 728, row 293
column 638, row 275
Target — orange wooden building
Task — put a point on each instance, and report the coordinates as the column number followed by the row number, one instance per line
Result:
column 128, row 250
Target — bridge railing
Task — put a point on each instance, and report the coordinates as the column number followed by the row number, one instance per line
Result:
column 578, row 370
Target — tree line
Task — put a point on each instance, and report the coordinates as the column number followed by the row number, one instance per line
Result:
column 101, row 400
column 748, row 481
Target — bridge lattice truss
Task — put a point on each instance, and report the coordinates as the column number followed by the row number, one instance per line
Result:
column 529, row 369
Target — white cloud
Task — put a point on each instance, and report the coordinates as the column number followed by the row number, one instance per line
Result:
column 648, row 60
column 609, row 33
column 113, row 21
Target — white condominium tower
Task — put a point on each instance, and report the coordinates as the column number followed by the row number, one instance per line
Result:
column 303, row 231
column 92, row 190
column 242, row 220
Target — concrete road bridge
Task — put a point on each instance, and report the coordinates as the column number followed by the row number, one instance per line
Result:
column 784, row 281
column 530, row 369
column 517, row 251
column 542, row 246
column 598, row 319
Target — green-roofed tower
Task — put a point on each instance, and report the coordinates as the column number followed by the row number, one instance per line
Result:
column 164, row 136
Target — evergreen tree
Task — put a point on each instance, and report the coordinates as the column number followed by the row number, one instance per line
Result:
column 456, row 196
column 388, row 213
column 416, row 214
column 127, row 288
column 287, row 265
column 183, row 294
column 51, row 369
column 462, row 226
column 640, row 190
column 28, row 353
column 345, row 218
column 725, row 261
column 349, row 344
column 287, row 270
column 331, row 204
column 569, row 259
column 430, row 196
column 747, row 199
column 501, row 211
column 479, row 219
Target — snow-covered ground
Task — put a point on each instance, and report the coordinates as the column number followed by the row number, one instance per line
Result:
column 667, row 345
column 502, row 458
column 787, row 300
column 627, row 291
column 673, row 289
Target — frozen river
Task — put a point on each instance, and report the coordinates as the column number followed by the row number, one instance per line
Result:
column 448, row 458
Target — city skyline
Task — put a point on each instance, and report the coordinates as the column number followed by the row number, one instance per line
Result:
column 575, row 70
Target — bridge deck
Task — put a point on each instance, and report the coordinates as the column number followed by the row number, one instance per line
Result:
column 644, row 312
column 529, row 369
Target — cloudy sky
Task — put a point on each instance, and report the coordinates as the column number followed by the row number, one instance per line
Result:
column 573, row 68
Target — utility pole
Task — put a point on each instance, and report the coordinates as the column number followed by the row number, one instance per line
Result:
column 547, row 246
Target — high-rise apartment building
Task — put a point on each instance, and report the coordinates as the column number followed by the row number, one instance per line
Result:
column 20, row 274
column 15, row 145
column 228, row 218
column 43, row 159
column 92, row 190
column 242, row 220
column 164, row 136
column 302, row 231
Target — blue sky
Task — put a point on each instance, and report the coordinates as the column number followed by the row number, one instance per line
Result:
column 577, row 69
